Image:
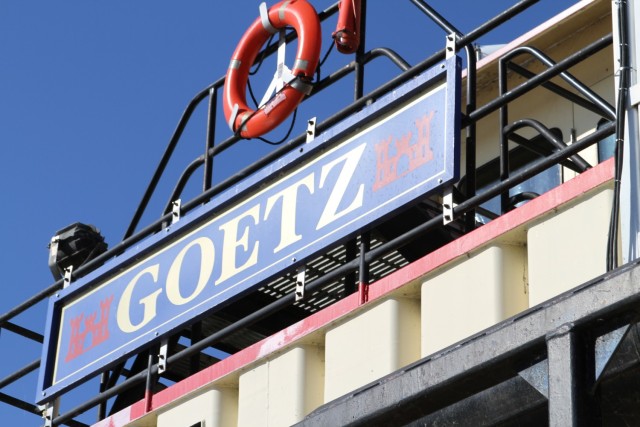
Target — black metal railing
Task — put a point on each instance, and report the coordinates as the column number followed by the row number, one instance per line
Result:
column 356, row 259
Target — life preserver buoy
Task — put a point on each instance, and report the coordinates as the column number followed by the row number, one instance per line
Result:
column 347, row 34
column 250, row 123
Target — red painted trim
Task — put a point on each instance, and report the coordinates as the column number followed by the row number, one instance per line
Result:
column 324, row 318
column 116, row 420
column 532, row 210
column 148, row 400
column 363, row 292
column 505, row 223
column 250, row 354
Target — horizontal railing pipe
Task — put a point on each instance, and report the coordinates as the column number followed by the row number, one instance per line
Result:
column 27, row 333
column 606, row 109
column 559, row 90
column 536, row 81
column 20, row 373
column 132, row 237
column 164, row 161
column 18, row 403
column 579, row 163
column 20, row 308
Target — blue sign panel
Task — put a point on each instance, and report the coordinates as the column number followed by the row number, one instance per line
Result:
column 405, row 147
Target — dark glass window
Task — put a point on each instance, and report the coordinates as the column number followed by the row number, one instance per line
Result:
column 488, row 175
column 606, row 146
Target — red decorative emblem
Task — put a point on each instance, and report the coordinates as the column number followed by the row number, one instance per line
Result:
column 416, row 154
column 99, row 331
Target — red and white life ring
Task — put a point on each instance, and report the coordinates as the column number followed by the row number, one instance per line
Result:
column 243, row 120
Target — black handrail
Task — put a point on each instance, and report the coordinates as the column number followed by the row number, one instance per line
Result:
column 347, row 268
column 544, row 76
column 210, row 91
column 577, row 162
column 366, row 256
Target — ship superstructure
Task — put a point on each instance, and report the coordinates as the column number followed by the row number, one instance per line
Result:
column 455, row 247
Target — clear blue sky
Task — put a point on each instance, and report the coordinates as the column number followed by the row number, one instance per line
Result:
column 90, row 93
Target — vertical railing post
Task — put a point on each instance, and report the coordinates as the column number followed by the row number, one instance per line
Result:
column 351, row 247
column 351, row 251
column 102, row 408
column 360, row 53
column 504, row 141
column 150, row 381
column 196, row 335
column 363, row 271
column 470, row 166
column 211, row 131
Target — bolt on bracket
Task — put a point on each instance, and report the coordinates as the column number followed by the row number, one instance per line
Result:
column 447, row 206
column 67, row 276
column 451, row 45
column 175, row 211
column 311, row 129
column 162, row 356
column 51, row 410
column 300, row 280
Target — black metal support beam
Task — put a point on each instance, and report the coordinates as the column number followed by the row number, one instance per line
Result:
column 211, row 135
column 20, row 373
column 467, row 207
column 27, row 333
column 541, row 78
column 571, row 372
column 563, row 392
column 485, row 359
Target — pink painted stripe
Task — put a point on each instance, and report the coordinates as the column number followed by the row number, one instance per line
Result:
column 532, row 210
column 116, row 420
column 505, row 223
column 250, row 354
column 324, row 318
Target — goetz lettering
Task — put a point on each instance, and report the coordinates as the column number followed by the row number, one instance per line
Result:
column 239, row 241
column 253, row 240
column 238, row 245
column 215, row 255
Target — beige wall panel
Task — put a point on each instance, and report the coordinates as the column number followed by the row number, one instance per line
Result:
column 371, row 344
column 280, row 392
column 253, row 399
column 472, row 295
column 296, row 384
column 216, row 408
column 569, row 248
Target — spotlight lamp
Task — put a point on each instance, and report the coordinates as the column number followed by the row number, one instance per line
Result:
column 74, row 246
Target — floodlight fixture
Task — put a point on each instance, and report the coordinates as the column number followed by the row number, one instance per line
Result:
column 74, row 246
